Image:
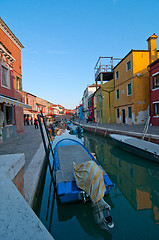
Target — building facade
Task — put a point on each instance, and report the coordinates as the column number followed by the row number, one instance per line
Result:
column 88, row 91
column 108, row 112
column 131, row 98
column 11, row 106
column 153, row 69
column 91, row 106
column 29, row 114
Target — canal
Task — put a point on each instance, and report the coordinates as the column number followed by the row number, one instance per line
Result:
column 134, row 199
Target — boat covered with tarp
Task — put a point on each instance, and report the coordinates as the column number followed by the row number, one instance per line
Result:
column 79, row 177
column 137, row 146
column 69, row 154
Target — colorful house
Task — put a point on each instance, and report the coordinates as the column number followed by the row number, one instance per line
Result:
column 104, row 103
column 11, row 106
column 104, row 96
column 98, row 105
column 88, row 91
column 131, row 98
column 29, row 114
column 91, row 106
column 108, row 112
column 153, row 69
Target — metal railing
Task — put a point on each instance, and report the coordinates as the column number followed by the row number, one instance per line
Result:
column 104, row 64
column 48, row 148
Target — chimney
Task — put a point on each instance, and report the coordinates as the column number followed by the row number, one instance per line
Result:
column 152, row 48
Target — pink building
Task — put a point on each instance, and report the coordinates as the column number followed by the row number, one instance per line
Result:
column 29, row 114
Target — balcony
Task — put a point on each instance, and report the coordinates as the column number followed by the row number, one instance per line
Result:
column 105, row 67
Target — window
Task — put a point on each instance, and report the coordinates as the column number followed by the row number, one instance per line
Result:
column 157, row 109
column 128, row 66
column 117, row 94
column 28, row 101
column 129, row 89
column 5, row 76
column 8, row 115
column 18, row 83
column 156, row 81
column 117, row 113
column 129, row 112
column 117, row 74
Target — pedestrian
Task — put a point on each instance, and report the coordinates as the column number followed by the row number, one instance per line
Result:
column 31, row 120
column 27, row 121
column 36, row 123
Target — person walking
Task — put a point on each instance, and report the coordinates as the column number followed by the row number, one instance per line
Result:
column 36, row 123
column 31, row 121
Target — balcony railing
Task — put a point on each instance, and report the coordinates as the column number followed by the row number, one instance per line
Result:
column 104, row 65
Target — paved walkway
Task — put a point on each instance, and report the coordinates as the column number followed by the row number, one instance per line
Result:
column 124, row 127
column 30, row 140
column 130, row 130
column 27, row 142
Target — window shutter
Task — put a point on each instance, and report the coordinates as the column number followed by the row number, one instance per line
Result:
column 20, row 84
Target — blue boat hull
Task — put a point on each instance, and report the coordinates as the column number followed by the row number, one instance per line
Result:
column 67, row 191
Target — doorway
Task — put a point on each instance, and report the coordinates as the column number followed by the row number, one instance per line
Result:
column 123, row 115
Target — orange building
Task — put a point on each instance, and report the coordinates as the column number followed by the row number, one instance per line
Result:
column 11, row 106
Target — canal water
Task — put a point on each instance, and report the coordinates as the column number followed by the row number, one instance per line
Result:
column 134, row 199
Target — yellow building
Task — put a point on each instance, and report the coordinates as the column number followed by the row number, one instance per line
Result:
column 104, row 103
column 104, row 95
column 98, row 105
column 131, row 97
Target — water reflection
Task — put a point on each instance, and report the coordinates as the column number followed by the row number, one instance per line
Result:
column 134, row 198
column 84, row 215
column 137, row 178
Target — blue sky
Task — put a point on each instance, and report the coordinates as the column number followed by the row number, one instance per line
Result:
column 63, row 40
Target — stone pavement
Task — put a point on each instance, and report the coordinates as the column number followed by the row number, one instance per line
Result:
column 154, row 130
column 27, row 142
column 30, row 140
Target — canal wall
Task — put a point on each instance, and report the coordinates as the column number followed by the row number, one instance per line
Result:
column 128, row 130
column 17, row 219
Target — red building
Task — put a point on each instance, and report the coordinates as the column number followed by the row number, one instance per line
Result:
column 153, row 69
column 11, row 106
column 91, row 105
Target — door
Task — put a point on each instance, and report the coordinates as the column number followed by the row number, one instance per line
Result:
column 123, row 115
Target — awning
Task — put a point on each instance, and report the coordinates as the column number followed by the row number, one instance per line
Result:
column 27, row 112
column 14, row 102
column 156, row 102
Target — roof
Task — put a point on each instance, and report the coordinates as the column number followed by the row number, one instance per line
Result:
column 10, row 34
column 132, row 50
column 151, row 64
column 154, row 36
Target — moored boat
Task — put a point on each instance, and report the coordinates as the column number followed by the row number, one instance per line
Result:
column 66, row 152
column 79, row 177
column 75, row 129
column 140, row 147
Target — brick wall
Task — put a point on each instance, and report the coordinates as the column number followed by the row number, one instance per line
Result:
column 19, row 181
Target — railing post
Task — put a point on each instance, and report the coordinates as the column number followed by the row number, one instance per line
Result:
column 46, row 149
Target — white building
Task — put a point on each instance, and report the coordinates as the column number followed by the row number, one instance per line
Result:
column 88, row 91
